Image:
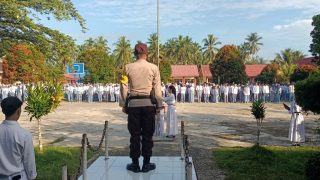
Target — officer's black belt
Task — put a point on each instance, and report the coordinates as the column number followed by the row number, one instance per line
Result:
column 139, row 97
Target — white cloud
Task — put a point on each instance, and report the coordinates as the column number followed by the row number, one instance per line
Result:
column 301, row 24
column 185, row 12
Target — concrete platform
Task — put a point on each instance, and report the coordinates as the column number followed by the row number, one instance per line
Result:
column 168, row 168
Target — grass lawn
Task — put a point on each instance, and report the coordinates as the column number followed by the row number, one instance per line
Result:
column 49, row 162
column 267, row 162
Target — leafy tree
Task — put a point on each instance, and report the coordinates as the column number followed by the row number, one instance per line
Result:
column 270, row 74
column 244, row 52
column 165, row 71
column 288, row 56
column 24, row 63
column 43, row 99
column 307, row 93
column 209, row 48
column 285, row 71
column 253, row 43
column 302, row 72
column 258, row 111
column 315, row 34
column 228, row 68
column 100, row 66
column 231, row 71
column 228, row 52
column 18, row 24
column 153, row 49
column 123, row 52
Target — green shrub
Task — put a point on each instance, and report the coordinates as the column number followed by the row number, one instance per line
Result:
column 312, row 167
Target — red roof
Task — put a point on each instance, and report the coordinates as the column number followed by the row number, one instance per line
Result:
column 306, row 61
column 184, row 71
column 70, row 77
column 253, row 70
column 205, row 69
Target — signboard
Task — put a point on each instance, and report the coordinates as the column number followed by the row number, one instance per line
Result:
column 76, row 68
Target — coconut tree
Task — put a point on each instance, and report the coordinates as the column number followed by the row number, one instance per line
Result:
column 288, row 56
column 253, row 43
column 123, row 52
column 258, row 111
column 153, row 48
column 209, row 48
column 286, row 70
column 43, row 99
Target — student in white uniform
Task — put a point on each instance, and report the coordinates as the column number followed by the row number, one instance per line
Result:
column 183, row 93
column 17, row 159
column 199, row 92
column 172, row 126
column 117, row 92
column 296, row 129
column 246, row 93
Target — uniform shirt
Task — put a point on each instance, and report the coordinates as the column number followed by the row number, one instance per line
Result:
column 183, row 90
column 291, row 88
column 16, row 150
column 142, row 77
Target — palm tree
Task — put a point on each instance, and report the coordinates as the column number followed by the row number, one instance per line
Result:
column 123, row 52
column 285, row 71
column 209, row 47
column 153, row 48
column 253, row 43
column 289, row 56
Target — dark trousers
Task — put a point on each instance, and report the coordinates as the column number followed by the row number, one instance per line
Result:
column 141, row 122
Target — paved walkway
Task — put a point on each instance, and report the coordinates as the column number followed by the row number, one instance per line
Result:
column 114, row 168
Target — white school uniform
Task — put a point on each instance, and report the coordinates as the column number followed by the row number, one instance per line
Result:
column 172, row 124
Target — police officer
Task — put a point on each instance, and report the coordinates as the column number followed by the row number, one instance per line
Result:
column 139, row 79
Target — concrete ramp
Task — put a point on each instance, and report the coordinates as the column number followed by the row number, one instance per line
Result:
column 114, row 168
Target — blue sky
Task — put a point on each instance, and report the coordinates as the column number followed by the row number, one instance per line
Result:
column 281, row 23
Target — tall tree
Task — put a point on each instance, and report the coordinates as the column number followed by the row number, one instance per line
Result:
column 315, row 34
column 228, row 67
column 229, row 52
column 24, row 63
column 209, row 48
column 100, row 66
column 288, row 56
column 253, row 43
column 123, row 52
column 153, row 49
column 17, row 24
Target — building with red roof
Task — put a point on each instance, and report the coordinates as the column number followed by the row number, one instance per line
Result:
column 307, row 61
column 70, row 78
column 184, row 73
column 254, row 70
column 205, row 73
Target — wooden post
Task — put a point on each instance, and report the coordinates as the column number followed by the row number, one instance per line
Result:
column 64, row 172
column 189, row 171
column 182, row 141
column 84, row 157
column 106, row 143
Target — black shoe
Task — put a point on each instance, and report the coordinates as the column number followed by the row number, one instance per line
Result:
column 133, row 167
column 148, row 167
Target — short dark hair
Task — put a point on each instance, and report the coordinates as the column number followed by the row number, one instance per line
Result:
column 10, row 105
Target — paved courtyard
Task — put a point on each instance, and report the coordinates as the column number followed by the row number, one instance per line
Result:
column 209, row 125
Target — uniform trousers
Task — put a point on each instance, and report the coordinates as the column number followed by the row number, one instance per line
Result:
column 141, row 123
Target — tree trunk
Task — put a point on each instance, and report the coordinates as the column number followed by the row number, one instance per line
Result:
column 39, row 135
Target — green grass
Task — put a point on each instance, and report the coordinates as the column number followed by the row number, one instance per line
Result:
column 49, row 162
column 259, row 163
